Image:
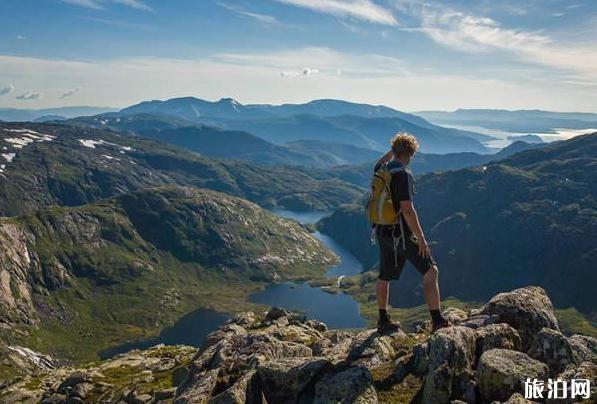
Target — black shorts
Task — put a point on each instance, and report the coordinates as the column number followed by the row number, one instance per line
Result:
column 392, row 261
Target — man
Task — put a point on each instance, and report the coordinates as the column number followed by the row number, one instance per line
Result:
column 404, row 240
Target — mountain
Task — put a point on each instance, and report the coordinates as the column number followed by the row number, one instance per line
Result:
column 75, row 280
column 372, row 133
column 192, row 108
column 329, row 154
column 18, row 115
column 229, row 144
column 528, row 219
column 49, row 164
column 515, row 121
column 329, row 120
column 423, row 163
column 282, row 357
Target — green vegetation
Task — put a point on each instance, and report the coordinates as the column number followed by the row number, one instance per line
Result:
column 125, row 268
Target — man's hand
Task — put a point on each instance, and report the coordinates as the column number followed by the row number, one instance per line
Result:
column 424, row 250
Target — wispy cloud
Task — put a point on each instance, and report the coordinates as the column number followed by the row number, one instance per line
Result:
column 472, row 33
column 100, row 4
column 264, row 18
column 21, row 37
column 30, row 95
column 117, row 23
column 69, row 93
column 365, row 10
column 7, row 89
column 306, row 71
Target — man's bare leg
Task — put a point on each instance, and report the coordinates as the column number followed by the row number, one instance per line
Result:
column 382, row 290
column 431, row 289
column 431, row 293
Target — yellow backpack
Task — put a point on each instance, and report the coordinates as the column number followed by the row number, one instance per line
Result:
column 379, row 208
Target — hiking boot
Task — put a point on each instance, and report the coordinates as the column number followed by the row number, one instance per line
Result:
column 444, row 324
column 388, row 326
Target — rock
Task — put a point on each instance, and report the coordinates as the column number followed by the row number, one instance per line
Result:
column 528, row 310
column 73, row 380
column 141, row 399
column 552, row 348
column 582, row 371
column 180, row 375
column 245, row 320
column 227, row 330
column 502, row 372
column 199, row 388
column 164, row 394
column 354, row 385
column 277, row 312
column 82, row 390
column 451, row 353
column 454, row 315
column 283, row 380
column 481, row 320
column 244, row 390
column 584, row 348
column 420, row 359
column 497, row 336
column 54, row 399
column 370, row 349
column 317, row 325
column 517, row 398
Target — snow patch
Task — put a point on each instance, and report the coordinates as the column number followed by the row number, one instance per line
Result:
column 19, row 142
column 90, row 143
column 8, row 156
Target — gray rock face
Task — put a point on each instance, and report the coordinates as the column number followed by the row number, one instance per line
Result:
column 497, row 336
column 552, row 348
column 353, row 385
column 502, row 372
column 528, row 310
column 451, row 355
column 283, row 380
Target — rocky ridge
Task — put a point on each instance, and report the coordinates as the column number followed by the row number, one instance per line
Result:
column 281, row 357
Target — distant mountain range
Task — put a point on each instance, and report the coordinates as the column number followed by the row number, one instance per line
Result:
column 528, row 219
column 335, row 121
column 22, row 115
column 229, row 144
column 514, row 121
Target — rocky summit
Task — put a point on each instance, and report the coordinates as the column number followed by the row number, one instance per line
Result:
column 282, row 357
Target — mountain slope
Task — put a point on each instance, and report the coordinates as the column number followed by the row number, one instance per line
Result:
column 44, row 164
column 527, row 219
column 75, row 279
column 319, row 120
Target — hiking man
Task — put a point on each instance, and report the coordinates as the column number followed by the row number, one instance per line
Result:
column 398, row 231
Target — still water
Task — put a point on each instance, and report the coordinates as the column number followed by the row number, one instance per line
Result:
column 336, row 310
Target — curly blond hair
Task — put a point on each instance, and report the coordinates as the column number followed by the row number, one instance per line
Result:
column 403, row 142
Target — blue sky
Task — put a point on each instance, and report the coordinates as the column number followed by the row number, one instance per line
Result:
column 408, row 54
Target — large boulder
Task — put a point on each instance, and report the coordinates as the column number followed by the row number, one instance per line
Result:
column 552, row 348
column 199, row 389
column 451, row 355
column 584, row 348
column 582, row 371
column 283, row 380
column 354, row 385
column 245, row 390
column 370, row 349
column 502, row 372
column 499, row 335
column 528, row 310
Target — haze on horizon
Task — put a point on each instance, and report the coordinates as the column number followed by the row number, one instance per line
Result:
column 407, row 54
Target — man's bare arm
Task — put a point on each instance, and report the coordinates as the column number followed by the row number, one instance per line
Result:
column 412, row 220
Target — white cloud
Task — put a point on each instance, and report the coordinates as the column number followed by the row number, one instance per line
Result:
column 364, row 78
column 30, row 95
column 69, row 93
column 365, row 10
column 6, row 89
column 100, row 4
column 264, row 18
column 21, row 37
column 470, row 33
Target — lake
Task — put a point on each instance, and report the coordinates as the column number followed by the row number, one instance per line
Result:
column 336, row 310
